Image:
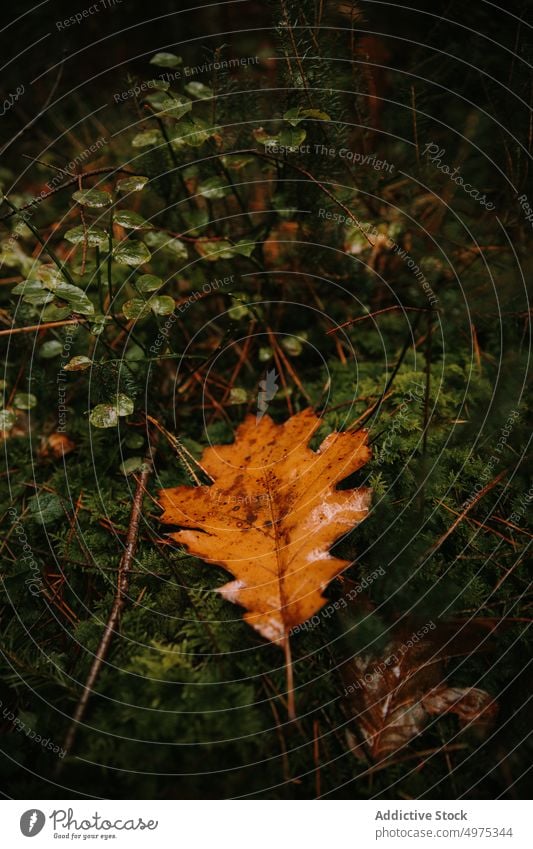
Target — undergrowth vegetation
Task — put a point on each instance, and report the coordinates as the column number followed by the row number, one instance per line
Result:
column 275, row 216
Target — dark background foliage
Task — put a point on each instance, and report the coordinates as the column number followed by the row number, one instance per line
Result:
column 190, row 701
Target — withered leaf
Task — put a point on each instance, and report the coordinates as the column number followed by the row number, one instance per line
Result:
column 271, row 516
column 391, row 698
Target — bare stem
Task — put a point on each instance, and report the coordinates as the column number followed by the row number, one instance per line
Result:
column 291, row 708
column 119, row 601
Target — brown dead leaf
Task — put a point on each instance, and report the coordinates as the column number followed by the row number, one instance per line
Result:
column 392, row 698
column 271, row 516
column 56, row 445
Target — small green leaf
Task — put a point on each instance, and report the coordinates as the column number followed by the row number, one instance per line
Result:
column 317, row 114
column 7, row 419
column 132, row 464
column 238, row 395
column 39, row 299
column 45, row 508
column 192, row 132
column 214, row 188
column 132, row 184
column 162, row 304
column 131, row 253
column 66, row 291
column 243, row 248
column 136, row 308
column 291, row 137
column 177, row 247
column 263, row 137
column 174, row 107
column 166, row 60
column 239, row 307
column 92, row 198
column 50, row 349
column 76, row 298
column 148, row 138
column 236, row 163
column 223, row 249
column 148, row 283
column 293, row 116
column 199, row 90
column 24, row 401
column 104, row 415
column 292, row 345
column 157, row 99
column 159, row 304
column 28, row 287
column 161, row 240
column 297, row 114
column 54, row 313
column 214, row 250
column 50, row 275
column 81, row 305
column 78, row 364
column 134, row 440
column 98, row 324
column 265, row 354
column 124, row 404
column 93, row 235
column 131, row 220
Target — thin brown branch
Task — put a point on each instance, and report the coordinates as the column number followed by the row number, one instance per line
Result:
column 291, row 707
column 119, row 601
column 74, row 179
column 464, row 513
column 377, row 312
column 30, row 327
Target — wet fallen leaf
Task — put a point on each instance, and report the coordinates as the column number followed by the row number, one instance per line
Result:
column 271, row 516
column 392, row 698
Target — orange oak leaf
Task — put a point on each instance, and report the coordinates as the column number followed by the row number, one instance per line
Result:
column 271, row 516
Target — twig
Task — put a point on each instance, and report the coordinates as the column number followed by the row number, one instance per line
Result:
column 377, row 405
column 431, row 551
column 119, row 601
column 479, row 524
column 354, row 425
column 47, row 165
column 84, row 225
column 279, row 731
column 372, row 314
column 182, row 452
column 30, row 327
column 92, row 173
column 291, row 708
